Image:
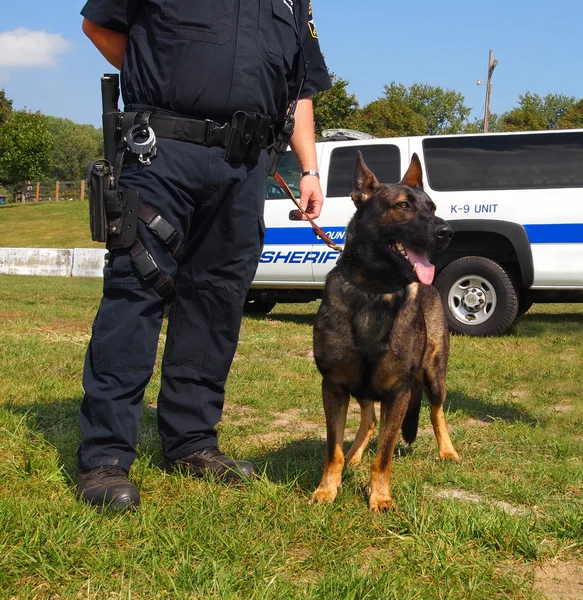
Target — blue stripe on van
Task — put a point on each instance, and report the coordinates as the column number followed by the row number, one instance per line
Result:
column 298, row 236
column 289, row 236
column 558, row 233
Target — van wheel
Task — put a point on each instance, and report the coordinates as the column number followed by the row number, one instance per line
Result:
column 258, row 307
column 478, row 296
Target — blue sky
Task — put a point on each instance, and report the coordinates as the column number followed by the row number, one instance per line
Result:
column 538, row 43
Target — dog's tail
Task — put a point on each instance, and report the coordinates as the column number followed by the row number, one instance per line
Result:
column 411, row 420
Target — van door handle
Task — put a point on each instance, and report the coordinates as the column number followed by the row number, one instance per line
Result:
column 293, row 216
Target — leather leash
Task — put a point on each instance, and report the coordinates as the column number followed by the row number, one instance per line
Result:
column 317, row 230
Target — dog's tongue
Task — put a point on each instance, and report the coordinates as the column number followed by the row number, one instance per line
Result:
column 425, row 270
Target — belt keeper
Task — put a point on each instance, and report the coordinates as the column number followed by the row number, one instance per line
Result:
column 145, row 264
column 162, row 229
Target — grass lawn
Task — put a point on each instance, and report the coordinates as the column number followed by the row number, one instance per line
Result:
column 46, row 225
column 505, row 523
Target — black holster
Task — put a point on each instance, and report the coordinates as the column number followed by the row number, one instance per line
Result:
column 122, row 210
column 98, row 174
column 113, row 213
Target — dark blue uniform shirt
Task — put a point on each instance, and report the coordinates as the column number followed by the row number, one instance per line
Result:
column 211, row 58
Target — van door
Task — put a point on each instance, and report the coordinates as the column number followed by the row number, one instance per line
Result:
column 387, row 159
column 287, row 250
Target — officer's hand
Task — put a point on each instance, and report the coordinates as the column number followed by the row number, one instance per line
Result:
column 311, row 197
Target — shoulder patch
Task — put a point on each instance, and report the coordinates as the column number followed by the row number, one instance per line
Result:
column 311, row 24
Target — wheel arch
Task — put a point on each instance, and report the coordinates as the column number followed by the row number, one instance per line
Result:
column 501, row 241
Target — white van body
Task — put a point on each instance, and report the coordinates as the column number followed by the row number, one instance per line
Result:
column 515, row 201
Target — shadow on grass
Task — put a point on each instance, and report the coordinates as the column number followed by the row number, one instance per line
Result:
column 58, row 424
column 535, row 324
column 511, row 412
column 299, row 462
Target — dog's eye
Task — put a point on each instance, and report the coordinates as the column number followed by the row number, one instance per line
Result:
column 404, row 205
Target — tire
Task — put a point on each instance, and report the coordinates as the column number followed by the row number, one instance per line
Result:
column 478, row 296
column 258, row 307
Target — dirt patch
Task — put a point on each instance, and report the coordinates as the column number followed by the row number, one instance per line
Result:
column 6, row 316
column 309, row 354
column 239, row 415
column 79, row 339
column 64, row 326
column 291, row 423
column 464, row 496
column 481, row 422
column 295, row 421
column 293, row 416
column 570, row 355
column 562, row 408
column 560, row 581
column 519, row 394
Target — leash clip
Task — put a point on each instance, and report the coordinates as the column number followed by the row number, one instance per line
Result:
column 146, row 150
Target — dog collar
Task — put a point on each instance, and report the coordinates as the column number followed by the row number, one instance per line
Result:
column 369, row 288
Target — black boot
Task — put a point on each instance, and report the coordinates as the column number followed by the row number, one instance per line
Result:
column 108, row 487
column 213, row 461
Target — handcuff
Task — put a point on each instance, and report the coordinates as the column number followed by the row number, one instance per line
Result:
column 141, row 140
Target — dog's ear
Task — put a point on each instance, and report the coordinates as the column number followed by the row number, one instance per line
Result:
column 364, row 183
column 414, row 175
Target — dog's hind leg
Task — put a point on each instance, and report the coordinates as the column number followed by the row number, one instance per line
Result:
column 336, row 399
column 435, row 390
column 411, row 421
column 368, row 421
column 392, row 415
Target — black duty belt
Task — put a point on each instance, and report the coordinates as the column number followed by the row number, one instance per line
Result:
column 243, row 137
column 206, row 133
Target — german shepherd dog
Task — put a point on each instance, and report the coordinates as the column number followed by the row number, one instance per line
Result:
column 380, row 334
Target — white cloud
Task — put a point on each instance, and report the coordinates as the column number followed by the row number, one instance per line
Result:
column 22, row 48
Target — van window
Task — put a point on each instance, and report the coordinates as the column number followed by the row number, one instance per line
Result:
column 384, row 160
column 290, row 171
column 501, row 162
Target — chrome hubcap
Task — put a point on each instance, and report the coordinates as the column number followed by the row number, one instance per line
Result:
column 472, row 299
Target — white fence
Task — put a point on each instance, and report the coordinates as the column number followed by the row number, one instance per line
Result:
column 76, row 262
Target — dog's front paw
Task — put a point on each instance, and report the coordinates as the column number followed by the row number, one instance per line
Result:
column 379, row 504
column 323, row 496
column 354, row 459
column 449, row 454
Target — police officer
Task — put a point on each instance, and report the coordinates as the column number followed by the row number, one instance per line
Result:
column 206, row 77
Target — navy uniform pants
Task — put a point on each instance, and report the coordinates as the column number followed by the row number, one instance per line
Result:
column 217, row 208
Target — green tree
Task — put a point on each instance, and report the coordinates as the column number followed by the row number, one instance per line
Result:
column 25, row 148
column 573, row 118
column 74, row 146
column 477, row 125
column 444, row 111
column 536, row 113
column 334, row 108
column 386, row 118
column 5, row 107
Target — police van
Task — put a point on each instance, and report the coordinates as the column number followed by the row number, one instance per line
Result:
column 514, row 200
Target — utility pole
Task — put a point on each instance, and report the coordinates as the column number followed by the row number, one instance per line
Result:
column 491, row 66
